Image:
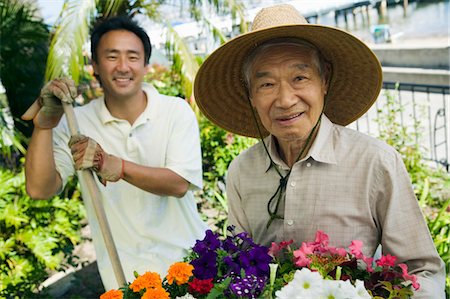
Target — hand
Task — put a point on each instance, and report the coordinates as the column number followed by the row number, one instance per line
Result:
column 47, row 110
column 88, row 154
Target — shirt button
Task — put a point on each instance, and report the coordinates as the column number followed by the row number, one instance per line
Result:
column 292, row 184
column 308, row 164
column 290, row 222
column 131, row 135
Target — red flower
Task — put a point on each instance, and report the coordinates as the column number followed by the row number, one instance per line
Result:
column 200, row 286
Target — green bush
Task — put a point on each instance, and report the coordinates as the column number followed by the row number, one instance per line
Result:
column 35, row 235
column 431, row 184
column 219, row 148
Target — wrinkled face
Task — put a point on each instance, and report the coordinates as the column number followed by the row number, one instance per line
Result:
column 287, row 91
column 120, row 64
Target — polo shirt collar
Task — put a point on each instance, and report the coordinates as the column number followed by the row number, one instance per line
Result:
column 151, row 93
column 322, row 149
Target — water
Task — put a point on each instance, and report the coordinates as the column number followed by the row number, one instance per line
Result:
column 422, row 19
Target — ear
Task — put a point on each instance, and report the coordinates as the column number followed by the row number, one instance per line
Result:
column 95, row 67
column 326, row 78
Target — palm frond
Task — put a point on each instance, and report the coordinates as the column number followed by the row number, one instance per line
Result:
column 66, row 48
column 183, row 60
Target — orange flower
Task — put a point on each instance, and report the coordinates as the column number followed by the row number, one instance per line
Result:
column 112, row 294
column 180, row 273
column 145, row 281
column 155, row 293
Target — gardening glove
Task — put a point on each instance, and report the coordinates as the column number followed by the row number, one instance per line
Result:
column 88, row 154
column 47, row 110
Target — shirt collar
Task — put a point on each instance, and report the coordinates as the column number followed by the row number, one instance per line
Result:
column 322, row 149
column 151, row 93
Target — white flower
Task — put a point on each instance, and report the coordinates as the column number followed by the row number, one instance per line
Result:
column 307, row 284
column 187, row 296
column 361, row 292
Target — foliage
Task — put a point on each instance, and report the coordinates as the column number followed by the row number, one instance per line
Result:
column 23, row 54
column 11, row 148
column 219, row 148
column 431, row 184
column 35, row 236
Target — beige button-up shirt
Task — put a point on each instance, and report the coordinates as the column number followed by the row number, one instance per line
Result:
column 350, row 186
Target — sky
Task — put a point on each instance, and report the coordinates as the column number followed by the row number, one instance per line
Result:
column 50, row 10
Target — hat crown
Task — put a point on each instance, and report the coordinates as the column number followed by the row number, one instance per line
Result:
column 278, row 15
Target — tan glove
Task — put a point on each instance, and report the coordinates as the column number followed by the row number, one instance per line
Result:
column 47, row 110
column 88, row 154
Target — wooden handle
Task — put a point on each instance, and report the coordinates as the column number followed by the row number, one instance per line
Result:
column 88, row 178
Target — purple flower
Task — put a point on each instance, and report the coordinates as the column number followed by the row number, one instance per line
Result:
column 247, row 287
column 256, row 261
column 210, row 243
column 231, row 265
column 205, row 266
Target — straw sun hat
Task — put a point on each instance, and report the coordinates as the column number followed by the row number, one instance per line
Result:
column 356, row 78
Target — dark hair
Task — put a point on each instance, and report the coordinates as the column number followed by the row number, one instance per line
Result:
column 119, row 23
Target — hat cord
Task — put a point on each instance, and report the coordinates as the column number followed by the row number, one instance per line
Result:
column 281, row 190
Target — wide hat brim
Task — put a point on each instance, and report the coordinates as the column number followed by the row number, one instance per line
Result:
column 356, row 78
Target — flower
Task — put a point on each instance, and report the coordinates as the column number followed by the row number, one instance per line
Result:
column 179, row 273
column 112, row 294
column 236, row 267
column 200, row 287
column 146, row 280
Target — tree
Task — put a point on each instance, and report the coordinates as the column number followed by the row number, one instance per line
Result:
column 23, row 53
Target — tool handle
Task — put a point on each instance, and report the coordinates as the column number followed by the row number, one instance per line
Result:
column 88, row 178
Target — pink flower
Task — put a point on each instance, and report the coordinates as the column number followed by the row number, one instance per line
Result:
column 368, row 261
column 321, row 238
column 275, row 248
column 338, row 251
column 356, row 248
column 386, row 261
column 406, row 276
column 301, row 255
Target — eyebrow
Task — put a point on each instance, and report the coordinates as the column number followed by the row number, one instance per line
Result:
column 300, row 66
column 107, row 51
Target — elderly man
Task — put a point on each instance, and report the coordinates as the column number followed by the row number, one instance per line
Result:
column 296, row 85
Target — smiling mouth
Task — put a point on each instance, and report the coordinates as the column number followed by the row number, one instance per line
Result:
column 290, row 117
column 123, row 79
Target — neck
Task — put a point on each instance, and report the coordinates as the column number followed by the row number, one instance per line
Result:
column 128, row 108
column 292, row 151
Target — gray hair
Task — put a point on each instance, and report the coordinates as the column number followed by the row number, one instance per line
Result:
column 318, row 59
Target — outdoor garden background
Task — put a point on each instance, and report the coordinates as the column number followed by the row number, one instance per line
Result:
column 37, row 238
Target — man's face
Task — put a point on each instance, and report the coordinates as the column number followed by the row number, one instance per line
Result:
column 120, row 64
column 287, row 91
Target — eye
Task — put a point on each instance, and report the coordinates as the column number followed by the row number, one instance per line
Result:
column 134, row 58
column 266, row 85
column 111, row 57
column 299, row 78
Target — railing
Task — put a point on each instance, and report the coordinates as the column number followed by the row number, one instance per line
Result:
column 424, row 109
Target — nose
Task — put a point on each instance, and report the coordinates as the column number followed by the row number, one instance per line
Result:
column 122, row 64
column 286, row 97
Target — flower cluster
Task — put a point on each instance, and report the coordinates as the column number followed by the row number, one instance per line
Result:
column 236, row 267
column 382, row 278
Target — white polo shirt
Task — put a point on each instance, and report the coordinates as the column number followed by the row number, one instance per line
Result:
column 150, row 231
